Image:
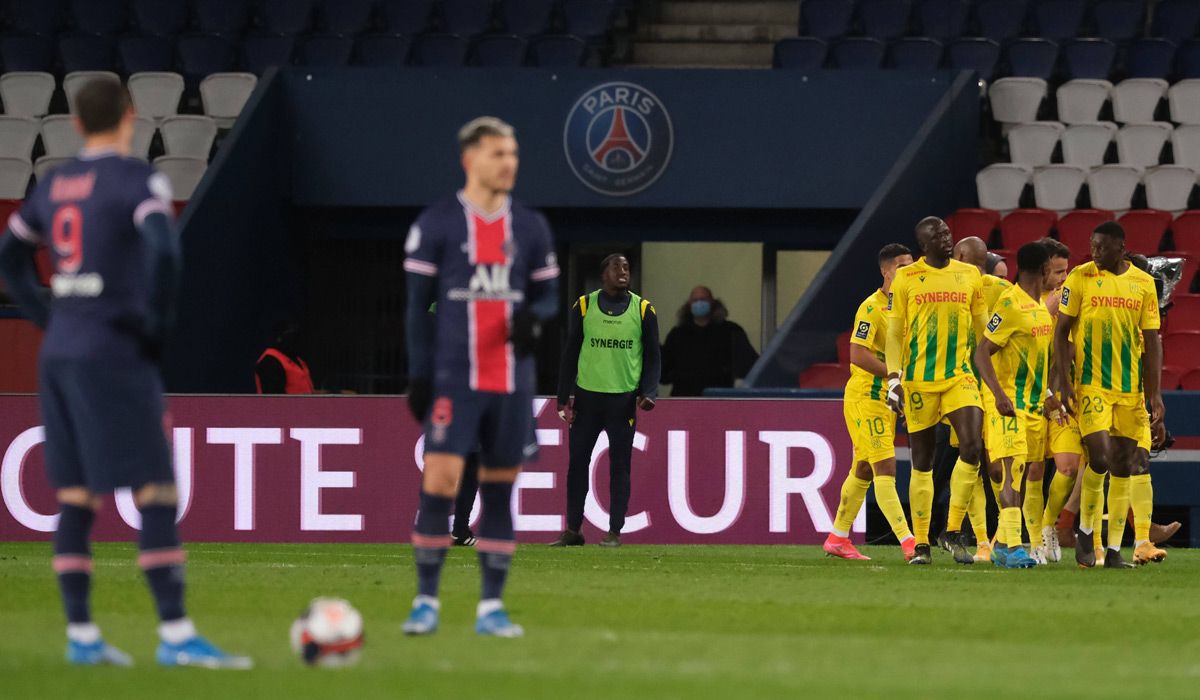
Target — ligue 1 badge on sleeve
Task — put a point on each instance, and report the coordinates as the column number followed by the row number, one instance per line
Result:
column 618, row 138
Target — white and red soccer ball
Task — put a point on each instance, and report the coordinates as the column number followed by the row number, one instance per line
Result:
column 328, row 633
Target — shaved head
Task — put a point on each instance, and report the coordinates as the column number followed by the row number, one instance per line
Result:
column 971, row 250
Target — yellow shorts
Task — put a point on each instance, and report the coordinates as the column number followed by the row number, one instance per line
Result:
column 1121, row 415
column 872, row 428
column 1023, row 435
column 926, row 403
column 1063, row 439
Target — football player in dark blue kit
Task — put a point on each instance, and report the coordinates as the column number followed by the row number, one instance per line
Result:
column 107, row 220
column 489, row 264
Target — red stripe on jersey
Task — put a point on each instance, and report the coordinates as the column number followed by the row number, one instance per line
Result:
column 490, row 355
column 489, row 240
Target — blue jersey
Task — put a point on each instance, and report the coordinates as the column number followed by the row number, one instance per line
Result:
column 87, row 212
column 484, row 265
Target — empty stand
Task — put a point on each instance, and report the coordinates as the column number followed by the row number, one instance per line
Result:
column 499, row 50
column 290, row 16
column 1032, row 58
column 980, row 223
column 824, row 375
column 1056, row 187
column 1075, row 230
column 406, row 16
column 557, row 50
column 326, row 50
column 1185, row 312
column 14, row 177
column 188, row 135
column 1016, row 100
column 1175, row 19
column 977, row 54
column 382, row 50
column 1137, row 99
column 1080, row 101
column 858, row 52
column 17, row 137
column 532, row 17
column 804, row 53
column 467, row 17
column 1169, row 187
column 262, row 52
column 1185, row 231
column 1144, row 229
column 1179, row 350
column 1184, row 101
column 1142, row 144
column 1119, row 20
column 352, row 16
column 1089, row 59
column 143, row 136
column 884, row 19
column 1185, row 145
column 1025, row 226
column 225, row 94
column 439, row 50
column 184, row 174
column 942, row 19
column 1058, row 19
column 1085, row 144
column 588, row 18
column 1000, row 185
column 1000, row 19
column 1033, row 143
column 59, row 136
column 100, row 17
column 1111, row 187
column 84, row 52
column 72, row 82
column 156, row 95
column 26, row 94
column 915, row 53
column 146, row 54
column 827, row 19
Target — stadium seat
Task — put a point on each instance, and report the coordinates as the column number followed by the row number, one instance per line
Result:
column 1111, row 187
column 14, row 177
column 980, row 223
column 1187, row 60
column 1190, row 381
column 1057, row 20
column 1171, row 377
column 82, row 52
column 1185, row 313
column 72, row 82
column 262, row 52
column 1144, row 229
column 156, row 95
column 382, row 50
column 1089, row 59
column 801, row 52
column 1183, row 98
column 532, row 17
column 884, row 19
column 1000, row 19
column 499, row 50
column 1169, row 187
column 60, row 138
column 27, row 53
column 1056, row 187
column 345, row 16
column 1086, row 144
column 1080, row 101
column 101, row 17
column 407, row 17
column 915, row 53
column 1033, row 143
column 1137, row 99
column 188, row 135
column 825, row 19
column 843, row 348
column 326, row 50
column 559, row 50
column 1000, row 185
column 26, row 94
column 439, row 50
column 825, row 375
column 183, row 173
column 286, row 16
column 204, row 54
column 858, row 53
column 143, row 136
column 1191, row 264
column 466, row 18
column 228, row 17
column 1016, row 100
column 160, row 18
column 146, row 54
column 225, row 94
column 587, row 19
column 1025, row 226
column 35, row 16
column 17, row 136
column 1185, row 231
column 45, row 164
column 1142, row 144
column 1179, row 350
column 942, row 19
column 1032, row 58
column 977, row 54
column 1149, row 58
column 1075, row 230
column 1119, row 20
column 1175, row 19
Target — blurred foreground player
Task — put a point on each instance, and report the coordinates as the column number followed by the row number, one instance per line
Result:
column 489, row 264
column 107, row 220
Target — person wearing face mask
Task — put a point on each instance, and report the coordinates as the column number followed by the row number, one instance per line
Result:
column 279, row 369
column 705, row 349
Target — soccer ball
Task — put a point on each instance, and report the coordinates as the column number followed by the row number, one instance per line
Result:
column 328, row 633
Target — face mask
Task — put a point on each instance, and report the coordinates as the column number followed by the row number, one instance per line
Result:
column 701, row 308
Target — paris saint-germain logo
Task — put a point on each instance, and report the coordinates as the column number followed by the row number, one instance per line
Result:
column 618, row 138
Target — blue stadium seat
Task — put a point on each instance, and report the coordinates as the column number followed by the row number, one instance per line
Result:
column 160, row 18
column 588, row 19
column 99, row 16
column 916, row 53
column 346, row 16
column 221, row 16
column 974, row 53
column 803, row 52
column 204, row 54
column 943, row 19
column 1057, row 20
column 406, row 16
column 35, row 16
column 1032, row 58
column 1119, row 20
column 382, row 50
column 27, row 53
column 439, row 50
column 499, row 50
column 884, row 19
column 1176, row 20
column 262, row 52
column 326, row 50
column 284, row 16
column 826, row 19
column 1089, row 58
column 466, row 17
column 858, row 52
column 557, row 51
column 81, row 52
column 1000, row 19
column 146, row 54
column 1149, row 58
column 526, row 17
column 1187, row 60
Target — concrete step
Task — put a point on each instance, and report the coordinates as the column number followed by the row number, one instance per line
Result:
column 708, row 54
column 729, row 12
column 719, row 32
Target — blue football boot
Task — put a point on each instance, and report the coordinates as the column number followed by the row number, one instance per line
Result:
column 99, row 653
column 199, row 652
column 1019, row 559
column 497, row 624
column 1000, row 554
column 423, row 619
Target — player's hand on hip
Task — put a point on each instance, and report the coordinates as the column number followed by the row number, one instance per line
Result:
column 1054, row 409
column 420, row 397
column 1004, row 406
column 645, row 403
column 566, row 411
column 895, row 395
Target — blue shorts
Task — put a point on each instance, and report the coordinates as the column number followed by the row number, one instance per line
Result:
column 104, row 425
column 498, row 426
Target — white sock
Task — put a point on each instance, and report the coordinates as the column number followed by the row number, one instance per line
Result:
column 1139, row 543
column 177, row 631
column 83, row 632
column 1115, row 548
column 427, row 600
column 1086, row 530
column 841, row 533
column 488, row 606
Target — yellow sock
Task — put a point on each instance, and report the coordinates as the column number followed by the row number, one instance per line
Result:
column 1060, row 491
column 920, row 502
column 962, row 480
column 1032, row 509
column 996, row 486
column 1010, row 521
column 1118, row 509
column 854, row 490
column 977, row 509
column 1091, row 499
column 889, row 503
column 1141, row 495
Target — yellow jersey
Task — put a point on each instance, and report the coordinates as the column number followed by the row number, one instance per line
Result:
column 1024, row 330
column 1111, row 311
column 937, row 308
column 870, row 331
column 993, row 287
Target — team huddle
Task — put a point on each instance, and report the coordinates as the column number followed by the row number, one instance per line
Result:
column 1057, row 366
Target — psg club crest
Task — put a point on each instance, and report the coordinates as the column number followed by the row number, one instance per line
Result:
column 618, row 138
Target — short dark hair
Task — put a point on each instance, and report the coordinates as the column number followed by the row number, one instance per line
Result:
column 1110, row 228
column 101, row 104
column 991, row 262
column 1139, row 261
column 891, row 251
column 1032, row 257
column 1056, row 248
column 929, row 221
column 475, row 130
column 608, row 259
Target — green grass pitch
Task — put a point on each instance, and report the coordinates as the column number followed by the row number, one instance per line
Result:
column 638, row 622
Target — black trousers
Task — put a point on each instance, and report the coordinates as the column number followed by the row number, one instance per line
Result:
column 616, row 415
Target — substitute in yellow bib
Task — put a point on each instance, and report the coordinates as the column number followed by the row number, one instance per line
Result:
column 936, row 310
column 1111, row 307
column 871, row 424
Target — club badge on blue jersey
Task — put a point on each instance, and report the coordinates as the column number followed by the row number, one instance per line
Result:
column 618, row 138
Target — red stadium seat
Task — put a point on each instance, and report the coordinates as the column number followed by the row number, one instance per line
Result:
column 965, row 223
column 1171, row 376
column 1026, row 226
column 1179, row 350
column 1075, row 230
column 1144, row 229
column 843, row 347
column 1185, row 313
column 1191, row 261
column 1185, row 231
column 1190, row 381
column 825, row 375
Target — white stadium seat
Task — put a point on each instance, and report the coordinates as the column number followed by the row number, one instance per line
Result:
column 156, row 95
column 188, row 135
column 72, row 82
column 45, row 164
column 1085, row 144
column 1185, row 143
column 1136, row 99
column 1016, row 100
column 1056, row 187
column 1184, row 101
column 1000, row 186
column 1033, row 143
column 1112, row 186
column 1081, row 100
column 60, row 138
column 225, row 94
column 14, row 177
column 26, row 94
column 1169, row 187
column 1142, row 144
column 184, row 174
column 143, row 135
column 17, row 136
